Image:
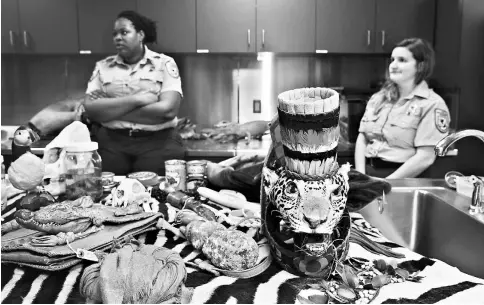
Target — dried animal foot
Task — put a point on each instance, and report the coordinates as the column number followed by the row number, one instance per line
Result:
column 10, row 226
column 62, row 238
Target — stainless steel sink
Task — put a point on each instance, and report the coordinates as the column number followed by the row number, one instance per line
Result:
column 434, row 221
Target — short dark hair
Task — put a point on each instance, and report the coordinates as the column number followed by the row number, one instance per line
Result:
column 141, row 23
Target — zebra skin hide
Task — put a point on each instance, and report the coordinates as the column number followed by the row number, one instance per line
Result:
column 441, row 283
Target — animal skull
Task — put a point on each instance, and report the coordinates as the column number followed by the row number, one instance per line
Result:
column 128, row 191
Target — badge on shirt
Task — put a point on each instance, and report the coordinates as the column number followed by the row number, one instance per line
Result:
column 442, row 120
column 414, row 110
column 172, row 69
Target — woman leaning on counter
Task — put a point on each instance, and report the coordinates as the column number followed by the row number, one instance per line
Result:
column 405, row 119
column 135, row 96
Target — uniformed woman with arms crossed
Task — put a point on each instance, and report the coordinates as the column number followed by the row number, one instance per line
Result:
column 405, row 119
column 135, row 95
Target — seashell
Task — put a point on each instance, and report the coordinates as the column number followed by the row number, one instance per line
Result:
column 403, row 273
column 346, row 293
column 303, row 300
column 319, row 298
column 381, row 265
column 349, row 276
column 380, row 280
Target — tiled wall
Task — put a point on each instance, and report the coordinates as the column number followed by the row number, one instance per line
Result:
column 216, row 87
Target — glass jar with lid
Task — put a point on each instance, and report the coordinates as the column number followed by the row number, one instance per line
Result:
column 83, row 171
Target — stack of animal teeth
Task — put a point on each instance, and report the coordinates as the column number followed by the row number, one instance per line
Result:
column 308, row 120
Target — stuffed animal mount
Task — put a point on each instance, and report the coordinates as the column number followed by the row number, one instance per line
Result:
column 304, row 190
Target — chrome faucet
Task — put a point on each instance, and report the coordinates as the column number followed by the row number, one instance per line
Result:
column 444, row 144
column 477, row 202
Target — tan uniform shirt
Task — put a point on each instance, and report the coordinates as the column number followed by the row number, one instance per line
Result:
column 420, row 119
column 155, row 72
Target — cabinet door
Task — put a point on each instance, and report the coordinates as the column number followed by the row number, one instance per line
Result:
column 10, row 26
column 96, row 22
column 48, row 26
column 175, row 20
column 397, row 20
column 226, row 25
column 345, row 26
column 286, row 25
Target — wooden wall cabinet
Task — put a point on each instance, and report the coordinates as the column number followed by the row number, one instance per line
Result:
column 371, row 26
column 219, row 26
column 286, row 26
column 226, row 26
column 96, row 22
column 39, row 26
column 397, row 20
column 345, row 26
column 10, row 26
column 175, row 20
column 248, row 26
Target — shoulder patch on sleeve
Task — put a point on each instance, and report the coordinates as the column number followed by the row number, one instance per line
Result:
column 442, row 120
column 172, row 68
column 95, row 72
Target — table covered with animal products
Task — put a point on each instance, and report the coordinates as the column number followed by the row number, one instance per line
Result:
column 410, row 278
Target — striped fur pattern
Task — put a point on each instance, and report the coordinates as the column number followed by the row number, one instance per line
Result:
column 441, row 284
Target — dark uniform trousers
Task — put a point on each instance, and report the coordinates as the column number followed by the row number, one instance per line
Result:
column 124, row 151
column 377, row 167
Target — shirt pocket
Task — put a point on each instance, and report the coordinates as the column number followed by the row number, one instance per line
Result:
column 369, row 122
column 113, row 85
column 150, row 80
column 401, row 130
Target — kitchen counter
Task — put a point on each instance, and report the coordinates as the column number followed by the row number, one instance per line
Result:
column 205, row 148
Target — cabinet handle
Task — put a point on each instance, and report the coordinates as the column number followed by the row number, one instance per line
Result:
column 263, row 38
column 26, row 42
column 382, row 38
column 248, row 37
column 368, row 38
column 10, row 33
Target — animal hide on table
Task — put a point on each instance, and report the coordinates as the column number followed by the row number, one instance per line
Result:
column 441, row 282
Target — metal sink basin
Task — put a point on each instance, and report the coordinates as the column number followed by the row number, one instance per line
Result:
column 433, row 221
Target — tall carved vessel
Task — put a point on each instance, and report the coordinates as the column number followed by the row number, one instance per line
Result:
column 304, row 189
